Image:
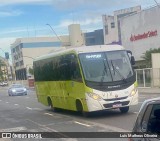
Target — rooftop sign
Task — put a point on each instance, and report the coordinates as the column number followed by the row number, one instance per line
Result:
column 143, row 36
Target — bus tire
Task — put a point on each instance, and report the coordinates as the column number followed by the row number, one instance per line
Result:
column 124, row 109
column 80, row 108
column 51, row 104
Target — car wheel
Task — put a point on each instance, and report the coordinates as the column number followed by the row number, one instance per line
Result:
column 10, row 94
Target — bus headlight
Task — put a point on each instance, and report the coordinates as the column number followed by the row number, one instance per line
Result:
column 94, row 96
column 133, row 92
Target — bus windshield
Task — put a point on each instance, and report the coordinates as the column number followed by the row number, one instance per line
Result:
column 106, row 66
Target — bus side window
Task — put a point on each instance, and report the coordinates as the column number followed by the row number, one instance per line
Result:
column 75, row 71
column 145, row 118
column 154, row 120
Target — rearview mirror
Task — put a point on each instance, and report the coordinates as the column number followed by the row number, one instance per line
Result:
column 144, row 126
column 133, row 62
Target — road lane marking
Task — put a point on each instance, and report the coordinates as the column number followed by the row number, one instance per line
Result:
column 7, row 102
column 29, row 108
column 0, row 100
column 48, row 114
column 16, row 104
column 146, row 96
column 13, row 129
column 135, row 112
column 107, row 127
column 44, row 127
column 27, row 97
column 87, row 125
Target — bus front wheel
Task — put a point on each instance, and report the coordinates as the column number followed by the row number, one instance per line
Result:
column 124, row 109
column 51, row 104
column 80, row 109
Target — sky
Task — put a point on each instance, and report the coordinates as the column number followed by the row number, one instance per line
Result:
column 28, row 18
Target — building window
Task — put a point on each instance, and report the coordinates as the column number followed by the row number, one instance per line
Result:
column 21, row 63
column 113, row 25
column 17, row 64
column 13, row 50
column 19, row 55
column 106, row 29
column 17, row 49
column 15, row 57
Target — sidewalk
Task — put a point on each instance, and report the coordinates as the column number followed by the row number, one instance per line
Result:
column 149, row 90
column 30, row 88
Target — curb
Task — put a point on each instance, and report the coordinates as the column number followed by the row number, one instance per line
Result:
column 149, row 90
column 31, row 88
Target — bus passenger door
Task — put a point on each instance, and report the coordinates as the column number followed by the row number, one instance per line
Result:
column 76, row 92
column 75, row 86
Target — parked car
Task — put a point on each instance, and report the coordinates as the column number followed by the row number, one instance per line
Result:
column 1, row 83
column 148, row 121
column 4, row 83
column 17, row 89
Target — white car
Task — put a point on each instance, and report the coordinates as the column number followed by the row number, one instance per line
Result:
column 4, row 83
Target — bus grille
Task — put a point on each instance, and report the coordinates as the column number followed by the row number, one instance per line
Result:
column 110, row 105
column 114, row 99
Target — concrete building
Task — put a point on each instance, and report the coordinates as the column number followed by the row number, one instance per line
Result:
column 141, row 32
column 94, row 38
column 75, row 35
column 111, row 24
column 25, row 50
column 155, row 69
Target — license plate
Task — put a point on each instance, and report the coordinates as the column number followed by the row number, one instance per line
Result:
column 117, row 105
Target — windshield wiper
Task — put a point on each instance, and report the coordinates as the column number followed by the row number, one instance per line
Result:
column 116, row 70
column 103, row 74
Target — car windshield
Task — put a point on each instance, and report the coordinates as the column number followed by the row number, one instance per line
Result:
column 17, row 86
column 106, row 66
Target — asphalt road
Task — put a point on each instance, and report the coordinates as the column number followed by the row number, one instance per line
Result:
column 24, row 113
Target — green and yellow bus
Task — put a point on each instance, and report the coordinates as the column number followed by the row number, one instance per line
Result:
column 87, row 79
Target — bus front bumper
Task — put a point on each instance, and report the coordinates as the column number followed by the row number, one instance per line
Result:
column 98, row 105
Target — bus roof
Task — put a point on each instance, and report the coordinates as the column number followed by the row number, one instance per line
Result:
column 82, row 49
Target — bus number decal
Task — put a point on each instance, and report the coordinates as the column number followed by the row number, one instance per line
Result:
column 93, row 56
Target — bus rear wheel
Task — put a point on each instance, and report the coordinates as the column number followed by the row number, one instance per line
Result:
column 124, row 109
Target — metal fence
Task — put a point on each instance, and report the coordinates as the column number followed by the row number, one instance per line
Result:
column 148, row 77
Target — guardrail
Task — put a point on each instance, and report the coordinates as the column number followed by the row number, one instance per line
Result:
column 148, row 77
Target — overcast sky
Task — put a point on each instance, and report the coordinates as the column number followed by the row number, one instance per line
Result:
column 28, row 18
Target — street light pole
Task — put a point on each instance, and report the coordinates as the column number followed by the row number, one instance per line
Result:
column 157, row 3
column 54, row 32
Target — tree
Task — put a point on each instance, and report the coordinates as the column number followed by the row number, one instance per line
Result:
column 2, row 64
column 31, row 71
column 147, row 56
